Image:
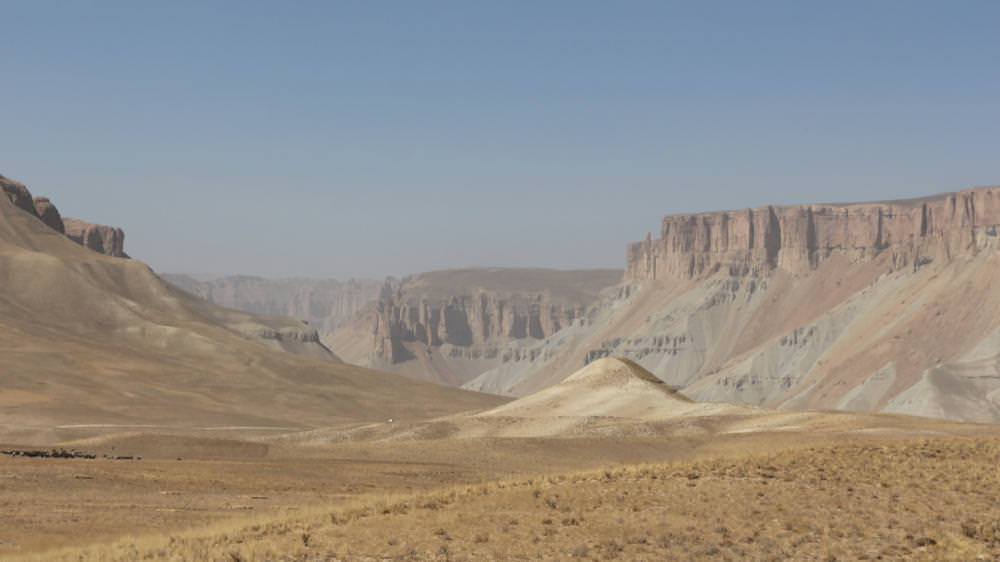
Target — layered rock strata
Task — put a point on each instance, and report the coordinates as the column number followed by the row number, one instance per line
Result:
column 449, row 326
column 887, row 306
column 465, row 321
column 799, row 238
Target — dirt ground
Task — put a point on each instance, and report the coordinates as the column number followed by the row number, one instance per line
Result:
column 69, row 503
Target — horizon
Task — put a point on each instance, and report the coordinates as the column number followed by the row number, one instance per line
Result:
column 350, row 141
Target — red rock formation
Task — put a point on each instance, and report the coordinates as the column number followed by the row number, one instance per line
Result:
column 49, row 214
column 799, row 238
column 98, row 237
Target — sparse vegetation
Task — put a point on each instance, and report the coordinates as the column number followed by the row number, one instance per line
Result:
column 923, row 500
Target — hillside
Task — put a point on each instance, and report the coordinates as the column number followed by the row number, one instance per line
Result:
column 93, row 343
column 616, row 398
column 883, row 306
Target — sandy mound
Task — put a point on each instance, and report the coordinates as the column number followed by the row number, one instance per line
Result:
column 610, row 386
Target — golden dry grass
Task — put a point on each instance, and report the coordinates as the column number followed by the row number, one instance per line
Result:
column 926, row 499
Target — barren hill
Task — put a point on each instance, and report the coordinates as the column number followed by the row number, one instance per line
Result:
column 614, row 397
column 607, row 387
column 450, row 326
column 92, row 343
column 887, row 306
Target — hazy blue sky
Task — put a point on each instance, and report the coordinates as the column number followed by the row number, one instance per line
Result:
column 371, row 138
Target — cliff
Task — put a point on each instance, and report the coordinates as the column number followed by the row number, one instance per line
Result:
column 449, row 326
column 108, row 240
column 18, row 194
column 465, row 320
column 49, row 214
column 798, row 239
column 885, row 306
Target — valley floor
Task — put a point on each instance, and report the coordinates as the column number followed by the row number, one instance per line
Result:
column 768, row 496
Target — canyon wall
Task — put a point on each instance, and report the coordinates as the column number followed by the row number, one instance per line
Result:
column 465, row 320
column 799, row 238
column 449, row 326
column 886, row 306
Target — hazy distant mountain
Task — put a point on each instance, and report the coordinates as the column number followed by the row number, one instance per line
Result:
column 326, row 304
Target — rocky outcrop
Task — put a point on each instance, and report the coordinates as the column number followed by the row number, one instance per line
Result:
column 49, row 214
column 107, row 240
column 449, row 326
column 798, row 239
column 18, row 194
column 98, row 237
column 480, row 319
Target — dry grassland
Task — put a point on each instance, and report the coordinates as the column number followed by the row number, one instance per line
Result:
column 915, row 500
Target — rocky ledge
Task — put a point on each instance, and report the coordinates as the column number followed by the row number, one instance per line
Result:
column 107, row 240
column 799, row 238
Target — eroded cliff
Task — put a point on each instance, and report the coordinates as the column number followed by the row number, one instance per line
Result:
column 449, row 326
column 887, row 306
column 108, row 240
column 798, row 239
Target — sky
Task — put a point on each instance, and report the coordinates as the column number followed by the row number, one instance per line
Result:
column 373, row 138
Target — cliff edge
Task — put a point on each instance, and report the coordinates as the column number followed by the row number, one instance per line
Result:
column 800, row 238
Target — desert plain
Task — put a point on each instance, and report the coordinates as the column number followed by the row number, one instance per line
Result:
column 656, row 419
column 540, row 478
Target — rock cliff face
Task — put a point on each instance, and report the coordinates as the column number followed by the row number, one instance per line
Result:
column 465, row 320
column 18, row 194
column 49, row 214
column 107, row 240
column 887, row 306
column 798, row 239
column 449, row 326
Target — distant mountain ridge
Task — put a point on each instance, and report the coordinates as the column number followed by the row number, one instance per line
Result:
column 326, row 304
